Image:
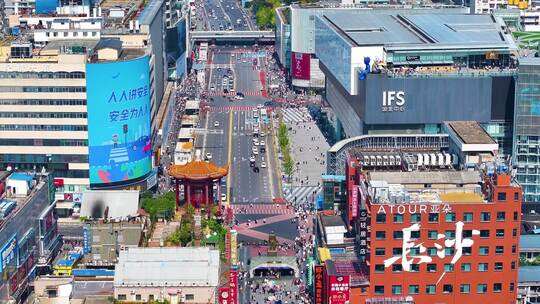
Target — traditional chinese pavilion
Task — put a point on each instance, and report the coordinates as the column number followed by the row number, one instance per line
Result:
column 197, row 178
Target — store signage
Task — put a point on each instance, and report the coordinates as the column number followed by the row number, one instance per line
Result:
column 363, row 234
column 339, row 289
column 87, row 246
column 420, row 256
column 233, row 288
column 8, row 252
column 224, row 295
column 393, row 101
column 412, row 58
column 234, row 247
column 353, row 208
column 228, row 245
column 413, row 208
column 319, row 284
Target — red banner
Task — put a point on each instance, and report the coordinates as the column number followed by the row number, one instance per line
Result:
column 228, row 245
column 224, row 295
column 233, row 288
column 338, row 289
column 300, row 65
column 353, row 207
column 318, row 284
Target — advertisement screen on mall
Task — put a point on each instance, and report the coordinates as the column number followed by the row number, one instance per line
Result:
column 118, row 120
column 300, row 65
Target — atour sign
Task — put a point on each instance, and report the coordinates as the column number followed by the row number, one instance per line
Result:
column 393, row 101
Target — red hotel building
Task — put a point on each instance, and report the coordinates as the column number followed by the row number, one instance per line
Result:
column 438, row 237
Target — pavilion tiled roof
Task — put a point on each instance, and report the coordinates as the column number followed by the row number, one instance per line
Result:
column 198, row 170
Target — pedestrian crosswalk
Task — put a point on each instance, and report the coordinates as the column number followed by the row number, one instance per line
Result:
column 220, row 65
column 293, row 115
column 261, row 209
column 300, row 194
column 233, row 108
column 246, row 93
column 119, row 155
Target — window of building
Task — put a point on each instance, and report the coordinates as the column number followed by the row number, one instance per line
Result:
column 433, row 217
column 468, row 217
column 449, row 267
column 379, row 289
column 499, row 249
column 65, row 34
column 516, row 196
column 467, row 250
column 448, row 288
column 484, row 250
column 122, row 297
column 416, row 218
column 467, row 233
column 151, row 297
column 430, row 289
column 414, row 268
column 481, row 288
column 499, row 233
column 138, row 297
column 432, row 251
column 398, row 218
column 465, row 288
column 450, row 217
column 515, row 216
column 514, row 232
column 450, row 234
column 414, row 289
column 190, row 297
column 501, row 196
column 482, row 267
column 379, row 251
column 432, row 234
column 431, row 267
column 484, row 234
column 485, row 216
column 466, row 267
column 498, row 266
column 396, row 289
column 514, row 249
column 501, row 216
column 380, row 235
column 381, row 218
column 415, row 234
column 379, row 268
column 398, row 235
column 397, row 268
column 448, row 251
column 513, row 265
column 94, row 34
column 415, row 251
column 497, row 287
column 511, row 287
column 397, row 250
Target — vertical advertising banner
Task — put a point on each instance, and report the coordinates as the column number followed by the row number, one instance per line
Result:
column 8, row 252
column 233, row 288
column 224, row 295
column 353, row 207
column 234, row 247
column 300, row 65
column 228, row 245
column 338, row 290
column 119, row 120
column 318, row 294
column 363, row 232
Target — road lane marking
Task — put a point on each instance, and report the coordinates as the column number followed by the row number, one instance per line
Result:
column 229, row 159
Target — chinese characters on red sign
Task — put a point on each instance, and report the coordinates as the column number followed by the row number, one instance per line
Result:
column 338, row 291
column 233, row 288
column 224, row 295
column 318, row 284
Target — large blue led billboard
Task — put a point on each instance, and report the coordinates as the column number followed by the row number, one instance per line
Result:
column 119, row 138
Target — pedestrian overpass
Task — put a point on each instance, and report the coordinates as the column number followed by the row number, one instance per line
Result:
column 233, row 36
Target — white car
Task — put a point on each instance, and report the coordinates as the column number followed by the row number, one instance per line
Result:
column 255, row 151
column 223, row 197
column 208, row 156
column 260, row 106
column 261, row 134
column 212, row 89
column 252, row 159
column 255, row 142
column 263, row 165
column 262, row 143
column 216, row 123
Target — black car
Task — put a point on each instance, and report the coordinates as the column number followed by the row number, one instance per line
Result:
column 256, row 169
column 225, row 91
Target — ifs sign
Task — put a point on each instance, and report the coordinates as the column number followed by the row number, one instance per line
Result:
column 393, row 101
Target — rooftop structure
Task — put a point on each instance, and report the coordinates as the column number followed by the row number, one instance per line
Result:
column 469, row 132
column 168, row 266
column 198, row 170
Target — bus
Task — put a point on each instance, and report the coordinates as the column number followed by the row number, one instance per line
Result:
column 263, row 115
